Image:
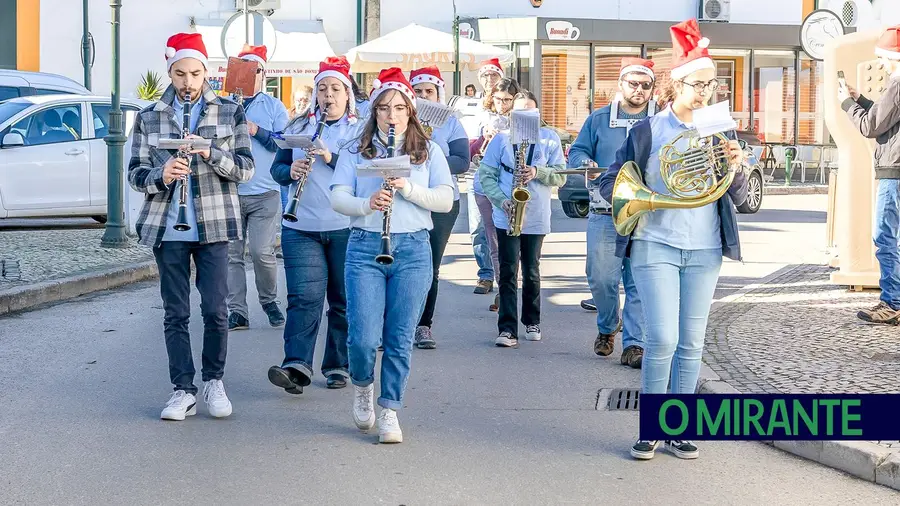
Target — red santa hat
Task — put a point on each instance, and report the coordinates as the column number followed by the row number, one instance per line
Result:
column 689, row 49
column 492, row 65
column 186, row 45
column 431, row 75
column 888, row 45
column 638, row 65
column 391, row 79
column 339, row 68
column 254, row 53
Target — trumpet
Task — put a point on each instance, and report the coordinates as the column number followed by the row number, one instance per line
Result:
column 520, row 194
column 698, row 176
column 290, row 212
column 385, row 257
column 181, row 223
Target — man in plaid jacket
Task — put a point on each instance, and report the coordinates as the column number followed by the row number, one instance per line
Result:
column 213, row 213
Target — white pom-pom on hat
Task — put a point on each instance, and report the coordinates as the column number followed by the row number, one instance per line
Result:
column 376, row 83
column 704, row 42
column 170, row 52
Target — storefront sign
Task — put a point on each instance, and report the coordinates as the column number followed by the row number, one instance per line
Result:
column 218, row 68
column 562, row 30
column 466, row 31
column 817, row 29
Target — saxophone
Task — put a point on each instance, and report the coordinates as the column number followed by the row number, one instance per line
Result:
column 520, row 194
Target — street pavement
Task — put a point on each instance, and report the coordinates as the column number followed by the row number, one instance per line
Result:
column 82, row 384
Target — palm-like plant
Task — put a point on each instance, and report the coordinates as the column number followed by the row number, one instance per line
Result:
column 150, row 87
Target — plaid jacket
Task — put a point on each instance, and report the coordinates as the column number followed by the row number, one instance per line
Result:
column 214, row 181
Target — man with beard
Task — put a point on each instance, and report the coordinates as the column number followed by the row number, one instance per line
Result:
column 602, row 134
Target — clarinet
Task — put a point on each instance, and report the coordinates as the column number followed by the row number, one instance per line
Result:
column 385, row 257
column 181, row 223
column 290, row 212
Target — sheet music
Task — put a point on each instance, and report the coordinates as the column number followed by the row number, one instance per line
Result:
column 714, row 119
column 434, row 114
column 397, row 166
column 525, row 126
column 175, row 144
column 304, row 142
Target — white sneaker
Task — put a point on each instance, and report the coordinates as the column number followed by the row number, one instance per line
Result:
column 217, row 402
column 364, row 406
column 180, row 405
column 389, row 427
column 533, row 332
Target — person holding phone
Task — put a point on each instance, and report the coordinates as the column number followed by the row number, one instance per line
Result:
column 881, row 121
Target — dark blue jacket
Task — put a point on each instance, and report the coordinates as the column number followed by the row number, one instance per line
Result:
column 636, row 149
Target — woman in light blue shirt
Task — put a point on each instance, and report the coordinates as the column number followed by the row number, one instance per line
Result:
column 384, row 301
column 454, row 143
column 315, row 244
column 676, row 254
column 496, row 174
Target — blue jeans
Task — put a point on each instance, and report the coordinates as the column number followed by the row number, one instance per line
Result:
column 479, row 239
column 676, row 288
column 383, row 306
column 887, row 222
column 604, row 273
column 314, row 271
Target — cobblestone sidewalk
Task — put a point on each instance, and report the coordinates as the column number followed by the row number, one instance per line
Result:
column 799, row 334
column 45, row 255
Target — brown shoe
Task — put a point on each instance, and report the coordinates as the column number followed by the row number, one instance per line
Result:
column 882, row 313
column 632, row 357
column 604, row 344
column 495, row 307
column 484, row 286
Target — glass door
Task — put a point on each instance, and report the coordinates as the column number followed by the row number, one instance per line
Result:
column 565, row 90
column 607, row 63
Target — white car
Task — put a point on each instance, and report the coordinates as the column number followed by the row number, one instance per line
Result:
column 53, row 156
column 19, row 83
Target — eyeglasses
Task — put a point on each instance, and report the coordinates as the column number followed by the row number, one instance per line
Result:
column 644, row 85
column 712, row 85
column 504, row 101
column 385, row 109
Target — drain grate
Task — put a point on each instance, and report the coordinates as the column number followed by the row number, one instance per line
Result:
column 9, row 270
column 623, row 399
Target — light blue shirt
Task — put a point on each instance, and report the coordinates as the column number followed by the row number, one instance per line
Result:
column 191, row 235
column 687, row 229
column 537, row 211
column 363, row 108
column 451, row 130
column 406, row 217
column 314, row 214
column 488, row 118
column 269, row 113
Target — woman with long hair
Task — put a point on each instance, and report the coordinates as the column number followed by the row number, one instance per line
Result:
column 384, row 300
column 497, row 178
column 497, row 105
column 451, row 137
column 314, row 245
column 676, row 254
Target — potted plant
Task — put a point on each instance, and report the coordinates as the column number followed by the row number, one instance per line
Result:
column 151, row 87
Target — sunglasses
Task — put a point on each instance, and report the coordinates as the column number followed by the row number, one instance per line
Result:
column 644, row 85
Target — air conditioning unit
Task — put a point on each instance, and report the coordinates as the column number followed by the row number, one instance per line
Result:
column 847, row 10
column 715, row 11
column 258, row 5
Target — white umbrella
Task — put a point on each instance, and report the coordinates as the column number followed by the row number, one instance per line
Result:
column 415, row 46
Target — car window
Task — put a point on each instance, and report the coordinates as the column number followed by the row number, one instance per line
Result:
column 100, row 117
column 8, row 92
column 10, row 109
column 44, row 91
column 49, row 126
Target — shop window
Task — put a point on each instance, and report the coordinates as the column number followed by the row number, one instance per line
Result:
column 565, row 91
column 733, row 74
column 812, row 129
column 773, row 96
column 607, row 63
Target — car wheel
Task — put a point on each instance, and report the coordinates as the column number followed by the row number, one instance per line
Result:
column 576, row 209
column 99, row 219
column 754, row 194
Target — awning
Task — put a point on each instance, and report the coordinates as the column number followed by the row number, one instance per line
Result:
column 295, row 47
column 415, row 46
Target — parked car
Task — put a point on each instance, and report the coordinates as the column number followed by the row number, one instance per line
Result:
column 575, row 199
column 18, row 83
column 53, row 156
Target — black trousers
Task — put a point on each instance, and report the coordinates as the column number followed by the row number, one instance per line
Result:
column 173, row 258
column 440, row 234
column 527, row 249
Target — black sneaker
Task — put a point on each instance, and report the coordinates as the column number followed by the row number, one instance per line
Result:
column 336, row 381
column 683, row 449
column 644, row 450
column 237, row 322
column 288, row 378
column 588, row 305
column 276, row 318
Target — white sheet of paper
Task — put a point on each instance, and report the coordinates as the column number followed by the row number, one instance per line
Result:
column 397, row 166
column 714, row 119
column 298, row 142
column 176, row 144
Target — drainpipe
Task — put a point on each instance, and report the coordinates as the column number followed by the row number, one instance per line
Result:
column 86, row 46
column 360, row 20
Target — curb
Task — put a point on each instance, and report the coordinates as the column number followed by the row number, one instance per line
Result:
column 859, row 458
column 28, row 296
column 780, row 189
